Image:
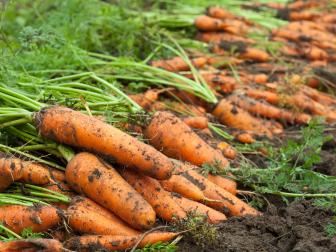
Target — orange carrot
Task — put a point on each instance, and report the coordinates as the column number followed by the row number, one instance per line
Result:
column 225, row 183
column 10, row 170
column 115, row 242
column 183, row 186
column 212, row 216
column 226, row 84
column 177, row 64
column 219, row 36
column 218, row 12
column 228, row 203
column 302, row 15
column 268, row 111
column 227, row 113
column 86, row 174
column 85, row 216
column 206, row 23
column 196, row 122
column 32, row 245
column 146, row 99
column 255, row 54
column 74, row 128
column 245, row 138
column 38, row 217
column 228, row 150
column 152, row 191
column 168, row 133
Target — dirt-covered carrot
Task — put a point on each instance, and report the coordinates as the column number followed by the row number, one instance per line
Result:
column 15, row 169
column 74, row 128
column 38, row 217
column 225, row 183
column 228, row 113
column 116, row 242
column 85, row 216
column 177, row 140
column 32, row 245
column 153, row 192
column 268, row 111
column 227, row 203
column 196, row 122
column 183, row 186
column 87, row 174
column 192, row 207
column 177, row 64
column 226, row 84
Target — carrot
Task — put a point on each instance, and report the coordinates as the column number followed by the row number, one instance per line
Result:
column 212, row 216
column 9, row 172
column 245, row 138
column 196, row 122
column 218, row 12
column 320, row 97
column 86, row 174
column 152, row 191
column 268, row 111
column 227, row 113
column 146, row 99
column 206, row 23
column 177, row 64
column 228, row 202
column 15, row 169
column 38, row 217
column 219, row 36
column 116, row 242
column 226, row 84
column 312, row 52
column 168, row 133
column 183, row 186
column 179, row 107
column 268, row 96
column 225, row 183
column 85, row 216
column 32, row 245
column 255, row 54
column 224, row 61
column 74, row 128
column 302, row 15
column 228, row 151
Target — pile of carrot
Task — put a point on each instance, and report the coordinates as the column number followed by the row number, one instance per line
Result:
column 121, row 187
column 259, row 97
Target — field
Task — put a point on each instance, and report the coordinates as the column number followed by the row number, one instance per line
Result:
column 167, row 125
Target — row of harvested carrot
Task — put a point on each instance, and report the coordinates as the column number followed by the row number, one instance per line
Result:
column 117, row 204
column 270, row 93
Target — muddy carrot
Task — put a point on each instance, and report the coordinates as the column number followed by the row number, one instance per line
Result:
column 87, row 174
column 225, row 183
column 116, row 242
column 10, row 170
column 183, row 186
column 32, row 245
column 196, row 122
column 38, row 217
column 229, row 203
column 168, row 133
column 228, row 113
column 85, row 216
column 220, row 36
column 74, row 128
column 193, row 207
column 268, row 111
column 153, row 192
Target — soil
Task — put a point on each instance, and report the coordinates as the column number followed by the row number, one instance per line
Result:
column 297, row 227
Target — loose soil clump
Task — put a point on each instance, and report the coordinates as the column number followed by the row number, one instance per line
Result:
column 298, row 227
